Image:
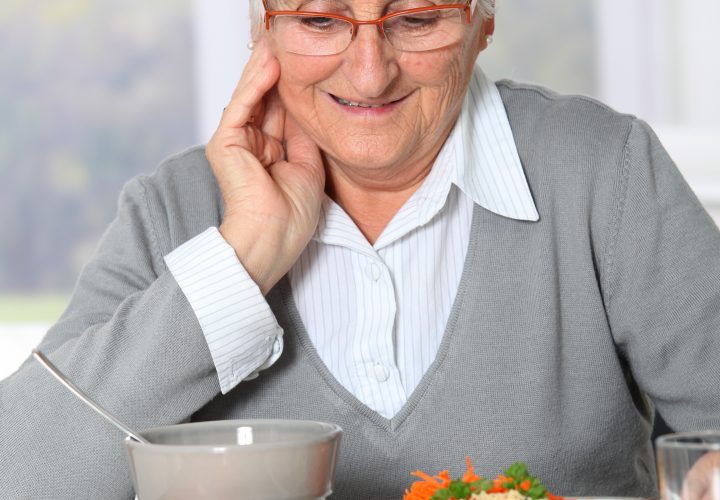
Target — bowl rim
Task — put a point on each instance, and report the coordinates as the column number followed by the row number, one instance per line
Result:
column 332, row 432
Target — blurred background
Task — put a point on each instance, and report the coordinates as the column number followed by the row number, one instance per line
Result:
column 95, row 92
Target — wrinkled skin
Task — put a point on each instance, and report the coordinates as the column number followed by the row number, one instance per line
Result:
column 284, row 141
column 378, row 161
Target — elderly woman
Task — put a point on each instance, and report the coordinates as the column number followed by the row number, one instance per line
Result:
column 380, row 237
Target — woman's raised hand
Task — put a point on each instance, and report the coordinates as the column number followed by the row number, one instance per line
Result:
column 703, row 479
column 272, row 194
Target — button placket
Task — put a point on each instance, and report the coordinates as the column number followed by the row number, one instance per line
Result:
column 374, row 354
column 382, row 367
column 382, row 372
column 373, row 270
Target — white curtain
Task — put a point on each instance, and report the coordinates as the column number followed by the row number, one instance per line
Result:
column 222, row 32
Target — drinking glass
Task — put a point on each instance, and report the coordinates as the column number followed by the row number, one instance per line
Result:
column 689, row 465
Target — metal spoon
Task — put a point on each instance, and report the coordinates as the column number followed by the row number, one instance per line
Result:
column 85, row 399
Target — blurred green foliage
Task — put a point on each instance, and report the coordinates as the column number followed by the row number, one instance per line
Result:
column 92, row 93
column 31, row 308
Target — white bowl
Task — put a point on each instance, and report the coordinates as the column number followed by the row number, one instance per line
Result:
column 236, row 459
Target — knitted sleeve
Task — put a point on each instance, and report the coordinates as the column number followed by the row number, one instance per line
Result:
column 664, row 287
column 130, row 340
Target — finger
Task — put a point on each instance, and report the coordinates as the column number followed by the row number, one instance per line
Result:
column 702, row 478
column 273, row 152
column 691, row 492
column 695, row 486
column 301, row 149
column 253, row 66
column 273, row 123
column 260, row 75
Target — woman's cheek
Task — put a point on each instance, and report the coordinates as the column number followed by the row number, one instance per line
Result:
column 428, row 69
column 301, row 102
column 304, row 71
column 300, row 85
column 294, row 89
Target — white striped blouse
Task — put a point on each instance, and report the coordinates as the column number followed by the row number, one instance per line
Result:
column 376, row 314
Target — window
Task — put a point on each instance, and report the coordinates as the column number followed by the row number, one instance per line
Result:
column 92, row 93
column 652, row 58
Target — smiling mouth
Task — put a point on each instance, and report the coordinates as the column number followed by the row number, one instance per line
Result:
column 353, row 104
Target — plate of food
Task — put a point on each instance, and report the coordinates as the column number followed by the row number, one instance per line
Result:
column 515, row 483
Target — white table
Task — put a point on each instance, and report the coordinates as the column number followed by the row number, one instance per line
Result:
column 16, row 342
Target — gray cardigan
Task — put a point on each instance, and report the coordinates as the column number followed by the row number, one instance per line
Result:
column 564, row 336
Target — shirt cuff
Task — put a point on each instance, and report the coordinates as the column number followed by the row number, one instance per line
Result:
column 241, row 330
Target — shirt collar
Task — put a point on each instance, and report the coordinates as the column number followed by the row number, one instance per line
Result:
column 479, row 157
column 488, row 167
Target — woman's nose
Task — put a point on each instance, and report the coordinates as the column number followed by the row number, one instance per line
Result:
column 371, row 62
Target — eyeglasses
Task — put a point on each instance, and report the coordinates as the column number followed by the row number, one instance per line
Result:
column 417, row 29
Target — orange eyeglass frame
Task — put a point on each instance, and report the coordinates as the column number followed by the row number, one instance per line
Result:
column 467, row 7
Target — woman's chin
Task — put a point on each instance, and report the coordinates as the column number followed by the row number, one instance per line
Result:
column 371, row 156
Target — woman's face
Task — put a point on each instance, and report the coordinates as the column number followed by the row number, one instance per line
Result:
column 416, row 96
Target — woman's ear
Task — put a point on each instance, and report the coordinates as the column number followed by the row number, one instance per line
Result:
column 486, row 32
column 489, row 25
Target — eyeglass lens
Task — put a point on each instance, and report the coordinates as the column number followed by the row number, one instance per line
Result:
column 411, row 32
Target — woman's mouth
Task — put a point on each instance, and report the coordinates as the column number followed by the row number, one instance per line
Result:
column 367, row 108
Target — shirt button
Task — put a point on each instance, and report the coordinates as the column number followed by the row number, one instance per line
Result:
column 381, row 372
column 373, row 271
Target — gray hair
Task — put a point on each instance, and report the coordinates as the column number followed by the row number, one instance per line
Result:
column 486, row 8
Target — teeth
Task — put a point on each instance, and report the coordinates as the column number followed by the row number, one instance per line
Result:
column 357, row 104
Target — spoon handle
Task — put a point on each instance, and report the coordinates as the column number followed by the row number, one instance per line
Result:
column 84, row 397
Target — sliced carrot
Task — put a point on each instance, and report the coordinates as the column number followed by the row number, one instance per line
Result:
column 501, row 481
column 425, row 489
column 470, row 476
column 426, row 477
column 497, row 489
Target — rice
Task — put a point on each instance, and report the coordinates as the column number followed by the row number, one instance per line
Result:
column 508, row 495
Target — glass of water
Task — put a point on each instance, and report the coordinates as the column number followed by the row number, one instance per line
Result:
column 689, row 465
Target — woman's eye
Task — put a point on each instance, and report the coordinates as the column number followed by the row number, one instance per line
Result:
column 319, row 23
column 417, row 21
